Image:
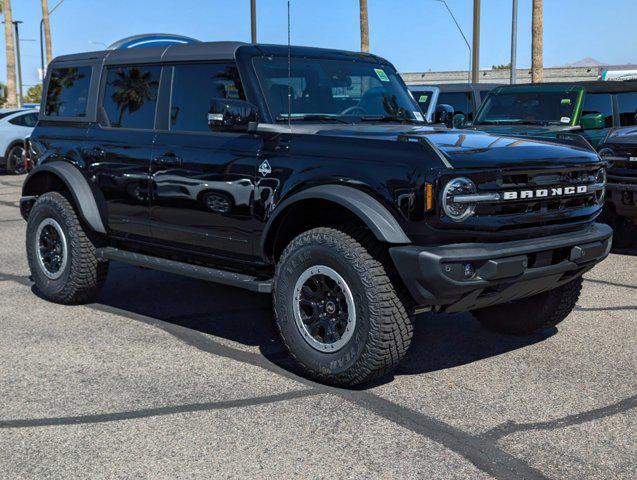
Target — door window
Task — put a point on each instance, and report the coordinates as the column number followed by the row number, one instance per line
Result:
column 194, row 86
column 130, row 97
column 627, row 103
column 599, row 103
column 67, row 93
column 28, row 120
column 460, row 102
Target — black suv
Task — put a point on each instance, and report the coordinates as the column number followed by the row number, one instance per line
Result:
column 308, row 174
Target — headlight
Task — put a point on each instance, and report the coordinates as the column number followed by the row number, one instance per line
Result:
column 607, row 154
column 458, row 211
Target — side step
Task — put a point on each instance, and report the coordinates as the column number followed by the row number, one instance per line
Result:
column 186, row 269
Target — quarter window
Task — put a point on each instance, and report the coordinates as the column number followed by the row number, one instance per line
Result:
column 194, row 86
column 599, row 103
column 67, row 94
column 627, row 103
column 28, row 120
column 130, row 96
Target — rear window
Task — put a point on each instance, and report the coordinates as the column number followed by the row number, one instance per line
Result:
column 130, row 96
column 627, row 103
column 67, row 94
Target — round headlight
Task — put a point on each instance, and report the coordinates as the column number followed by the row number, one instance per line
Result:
column 454, row 208
column 607, row 153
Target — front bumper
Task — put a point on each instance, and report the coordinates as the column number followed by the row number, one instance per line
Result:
column 503, row 271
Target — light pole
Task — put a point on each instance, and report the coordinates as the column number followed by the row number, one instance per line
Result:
column 16, row 24
column 514, row 40
column 41, row 35
column 461, row 33
column 253, row 20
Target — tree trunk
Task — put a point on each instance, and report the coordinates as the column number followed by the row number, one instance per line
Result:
column 364, row 26
column 536, row 42
column 47, row 31
column 12, row 95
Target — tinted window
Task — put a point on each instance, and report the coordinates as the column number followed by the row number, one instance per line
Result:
column 460, row 101
column 28, row 120
column 331, row 87
column 599, row 103
column 533, row 106
column 68, row 92
column 627, row 103
column 423, row 97
column 130, row 96
column 194, row 86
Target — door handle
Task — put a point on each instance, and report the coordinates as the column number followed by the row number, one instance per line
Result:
column 167, row 161
column 95, row 153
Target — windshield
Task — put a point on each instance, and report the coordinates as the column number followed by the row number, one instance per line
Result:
column 324, row 89
column 423, row 97
column 537, row 107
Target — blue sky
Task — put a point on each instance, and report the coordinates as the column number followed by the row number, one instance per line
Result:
column 416, row 35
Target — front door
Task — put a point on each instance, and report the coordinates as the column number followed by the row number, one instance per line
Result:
column 203, row 181
column 118, row 147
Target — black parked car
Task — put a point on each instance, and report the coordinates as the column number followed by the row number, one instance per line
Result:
column 312, row 179
column 620, row 150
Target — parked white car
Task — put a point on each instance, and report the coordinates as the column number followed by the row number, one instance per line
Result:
column 15, row 126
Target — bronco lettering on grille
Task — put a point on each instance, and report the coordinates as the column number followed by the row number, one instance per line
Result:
column 545, row 192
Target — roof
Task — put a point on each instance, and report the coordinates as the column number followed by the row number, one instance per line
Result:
column 203, row 51
column 589, row 86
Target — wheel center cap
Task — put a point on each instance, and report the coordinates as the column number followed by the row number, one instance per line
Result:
column 330, row 307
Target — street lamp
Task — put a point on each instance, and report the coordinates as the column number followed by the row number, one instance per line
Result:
column 461, row 33
column 41, row 35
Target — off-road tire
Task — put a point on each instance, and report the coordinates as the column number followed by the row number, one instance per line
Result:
column 83, row 275
column 384, row 325
column 532, row 314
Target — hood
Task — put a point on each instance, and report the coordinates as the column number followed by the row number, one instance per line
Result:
column 472, row 149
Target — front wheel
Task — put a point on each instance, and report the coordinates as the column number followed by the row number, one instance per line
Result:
column 338, row 311
column 531, row 314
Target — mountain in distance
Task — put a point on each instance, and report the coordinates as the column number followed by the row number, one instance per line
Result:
column 586, row 62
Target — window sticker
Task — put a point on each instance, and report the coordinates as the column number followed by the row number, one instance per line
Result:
column 418, row 116
column 566, row 101
column 565, row 119
column 381, row 75
column 423, row 98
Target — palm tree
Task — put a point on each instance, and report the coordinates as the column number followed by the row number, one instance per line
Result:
column 12, row 95
column 364, row 26
column 47, row 31
column 536, row 42
column 133, row 89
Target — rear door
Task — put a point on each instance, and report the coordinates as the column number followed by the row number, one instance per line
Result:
column 118, row 146
column 202, row 180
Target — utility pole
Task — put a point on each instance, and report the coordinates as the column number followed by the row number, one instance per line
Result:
column 536, row 42
column 12, row 99
column 16, row 24
column 364, row 26
column 514, row 41
column 253, row 20
column 475, row 63
column 47, row 31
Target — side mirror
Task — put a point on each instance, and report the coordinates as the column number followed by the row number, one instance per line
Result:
column 458, row 120
column 444, row 114
column 592, row 121
column 229, row 114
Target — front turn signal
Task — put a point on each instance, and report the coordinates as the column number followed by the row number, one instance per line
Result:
column 429, row 197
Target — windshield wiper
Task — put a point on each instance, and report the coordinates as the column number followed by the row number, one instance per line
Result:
column 388, row 118
column 311, row 116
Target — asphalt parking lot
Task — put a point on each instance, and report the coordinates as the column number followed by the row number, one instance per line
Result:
column 169, row 377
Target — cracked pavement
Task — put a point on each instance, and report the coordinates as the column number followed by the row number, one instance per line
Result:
column 169, row 377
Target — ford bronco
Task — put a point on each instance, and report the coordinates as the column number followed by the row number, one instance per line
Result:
column 308, row 174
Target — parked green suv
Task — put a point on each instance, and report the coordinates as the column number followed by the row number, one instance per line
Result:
column 589, row 109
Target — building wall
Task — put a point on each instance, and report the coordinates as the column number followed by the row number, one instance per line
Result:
column 567, row 74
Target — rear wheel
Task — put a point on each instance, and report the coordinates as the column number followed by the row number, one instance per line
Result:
column 15, row 160
column 61, row 252
column 532, row 314
column 338, row 311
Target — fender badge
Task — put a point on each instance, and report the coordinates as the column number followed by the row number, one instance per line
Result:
column 265, row 169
